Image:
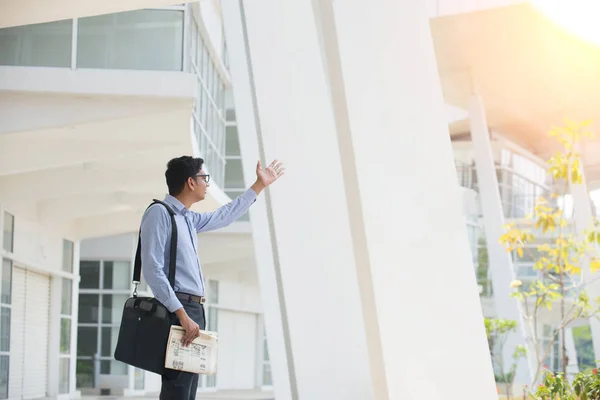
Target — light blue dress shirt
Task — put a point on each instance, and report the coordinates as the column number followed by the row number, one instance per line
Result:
column 156, row 239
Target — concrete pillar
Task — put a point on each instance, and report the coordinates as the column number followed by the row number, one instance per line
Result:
column 500, row 262
column 363, row 255
column 261, row 215
column 583, row 217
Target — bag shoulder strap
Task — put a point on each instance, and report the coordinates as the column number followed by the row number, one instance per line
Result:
column 137, row 268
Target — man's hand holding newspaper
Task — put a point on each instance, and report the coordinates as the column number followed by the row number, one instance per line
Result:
column 199, row 357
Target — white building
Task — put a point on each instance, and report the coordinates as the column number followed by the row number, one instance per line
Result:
column 348, row 267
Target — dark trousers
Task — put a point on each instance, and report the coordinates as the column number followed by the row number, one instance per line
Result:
column 180, row 385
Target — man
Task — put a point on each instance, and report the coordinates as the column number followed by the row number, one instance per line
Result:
column 188, row 184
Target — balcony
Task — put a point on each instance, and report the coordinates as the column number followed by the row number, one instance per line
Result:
column 519, row 193
column 115, row 96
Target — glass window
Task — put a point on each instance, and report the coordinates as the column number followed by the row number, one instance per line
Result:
column 139, row 379
column 230, row 114
column 90, row 274
column 117, row 275
column 267, row 378
column 234, row 177
column 63, row 375
column 65, row 335
column 88, row 308
column 141, row 39
column 113, row 367
column 9, row 229
column 4, row 329
column 4, row 377
column 110, row 335
column 213, row 291
column 232, row 195
column 211, row 380
column 68, row 248
column 213, row 319
column 67, row 292
column 85, row 374
column 38, row 45
column 232, row 143
column 6, row 288
column 112, row 308
column 87, row 341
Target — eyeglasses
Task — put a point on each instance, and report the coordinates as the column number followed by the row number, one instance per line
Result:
column 205, row 176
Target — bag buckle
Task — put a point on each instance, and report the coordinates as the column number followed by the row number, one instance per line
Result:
column 135, row 283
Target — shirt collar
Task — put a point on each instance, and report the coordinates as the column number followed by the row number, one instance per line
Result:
column 176, row 204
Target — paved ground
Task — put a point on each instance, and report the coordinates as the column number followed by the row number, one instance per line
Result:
column 236, row 395
column 221, row 395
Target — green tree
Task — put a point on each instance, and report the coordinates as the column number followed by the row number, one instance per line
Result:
column 497, row 332
column 562, row 254
column 582, row 336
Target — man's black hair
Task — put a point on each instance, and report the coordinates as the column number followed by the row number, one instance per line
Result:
column 179, row 170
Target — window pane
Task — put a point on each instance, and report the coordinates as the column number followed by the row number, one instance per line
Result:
column 9, row 224
column 87, row 341
column 68, row 256
column 267, row 379
column 4, row 329
column 4, row 377
column 65, row 336
column 109, row 341
column 141, row 39
column 212, row 320
column 112, row 308
column 211, row 380
column 234, row 177
column 265, row 350
column 88, row 308
column 139, row 379
column 232, row 195
column 85, row 374
column 6, row 289
column 63, row 375
column 90, row 275
column 230, row 114
column 67, row 293
column 117, row 275
column 38, row 45
column 232, row 144
column 213, row 291
column 113, row 367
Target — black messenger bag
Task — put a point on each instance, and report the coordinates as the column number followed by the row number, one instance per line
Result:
column 146, row 323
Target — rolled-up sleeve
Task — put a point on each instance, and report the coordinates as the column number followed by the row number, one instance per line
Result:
column 224, row 215
column 155, row 230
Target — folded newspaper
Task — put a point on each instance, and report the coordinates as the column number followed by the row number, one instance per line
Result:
column 200, row 357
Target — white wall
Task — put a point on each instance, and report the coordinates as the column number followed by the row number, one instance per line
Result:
column 239, row 311
column 36, row 247
column 119, row 247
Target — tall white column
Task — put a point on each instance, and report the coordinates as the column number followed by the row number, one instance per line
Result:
column 363, row 237
column 584, row 220
column 500, row 262
column 268, row 263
